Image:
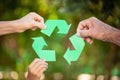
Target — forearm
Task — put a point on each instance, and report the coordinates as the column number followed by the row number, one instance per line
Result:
column 114, row 36
column 7, row 27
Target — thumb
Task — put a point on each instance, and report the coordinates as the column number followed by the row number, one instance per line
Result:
column 89, row 40
column 40, row 25
column 84, row 33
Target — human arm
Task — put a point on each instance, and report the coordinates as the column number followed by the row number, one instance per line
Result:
column 36, row 69
column 30, row 21
column 94, row 28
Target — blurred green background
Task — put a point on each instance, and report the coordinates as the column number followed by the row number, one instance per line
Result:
column 100, row 58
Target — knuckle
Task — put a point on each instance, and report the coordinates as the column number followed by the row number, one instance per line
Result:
column 32, row 13
column 42, row 18
column 92, row 18
column 36, row 59
column 80, row 22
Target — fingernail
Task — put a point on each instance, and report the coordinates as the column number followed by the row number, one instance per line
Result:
column 45, row 26
column 77, row 34
column 90, row 42
column 44, row 60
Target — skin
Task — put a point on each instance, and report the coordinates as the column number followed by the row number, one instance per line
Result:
column 36, row 69
column 94, row 28
column 30, row 21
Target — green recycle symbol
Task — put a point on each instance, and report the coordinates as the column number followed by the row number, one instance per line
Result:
column 49, row 55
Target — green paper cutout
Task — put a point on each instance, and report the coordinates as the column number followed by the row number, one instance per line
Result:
column 73, row 55
column 52, row 24
column 38, row 44
column 49, row 55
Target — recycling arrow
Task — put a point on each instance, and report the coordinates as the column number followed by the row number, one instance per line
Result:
column 38, row 44
column 49, row 55
column 78, row 44
column 52, row 24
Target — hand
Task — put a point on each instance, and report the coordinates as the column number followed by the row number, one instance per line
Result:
column 94, row 28
column 36, row 69
column 30, row 21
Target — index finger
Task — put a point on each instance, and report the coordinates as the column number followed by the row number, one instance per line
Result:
column 39, row 18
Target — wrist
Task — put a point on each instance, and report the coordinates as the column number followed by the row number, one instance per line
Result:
column 18, row 26
column 115, row 36
column 107, row 33
column 32, row 77
column 112, row 35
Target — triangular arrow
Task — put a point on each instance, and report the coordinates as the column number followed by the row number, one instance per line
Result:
column 73, row 55
column 38, row 44
column 52, row 24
